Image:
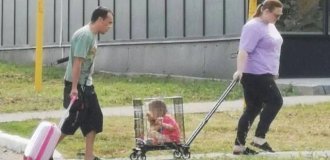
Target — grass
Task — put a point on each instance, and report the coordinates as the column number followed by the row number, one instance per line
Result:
column 17, row 88
column 17, row 94
column 299, row 128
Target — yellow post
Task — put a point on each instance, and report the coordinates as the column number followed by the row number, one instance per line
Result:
column 252, row 7
column 39, row 46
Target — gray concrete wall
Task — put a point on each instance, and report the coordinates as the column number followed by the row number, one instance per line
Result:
column 212, row 58
column 147, row 20
column 148, row 36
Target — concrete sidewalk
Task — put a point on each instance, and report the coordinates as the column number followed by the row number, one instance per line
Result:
column 200, row 107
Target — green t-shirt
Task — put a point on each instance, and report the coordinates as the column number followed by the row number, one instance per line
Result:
column 84, row 45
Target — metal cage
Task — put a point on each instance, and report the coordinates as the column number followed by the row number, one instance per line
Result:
column 175, row 109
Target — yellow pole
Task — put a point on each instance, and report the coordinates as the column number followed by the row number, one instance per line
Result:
column 39, row 46
column 252, row 7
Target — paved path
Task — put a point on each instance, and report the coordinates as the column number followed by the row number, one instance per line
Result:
column 7, row 154
column 201, row 107
column 17, row 144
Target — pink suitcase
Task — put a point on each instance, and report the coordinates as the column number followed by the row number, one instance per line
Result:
column 43, row 141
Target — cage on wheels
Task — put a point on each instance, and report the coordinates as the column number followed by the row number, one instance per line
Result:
column 159, row 129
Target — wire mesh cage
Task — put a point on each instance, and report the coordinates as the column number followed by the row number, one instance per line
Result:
column 147, row 137
column 142, row 125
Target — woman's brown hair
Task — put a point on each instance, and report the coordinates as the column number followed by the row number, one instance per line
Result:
column 267, row 4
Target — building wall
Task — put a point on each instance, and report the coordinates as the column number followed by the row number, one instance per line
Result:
column 146, row 30
column 207, row 58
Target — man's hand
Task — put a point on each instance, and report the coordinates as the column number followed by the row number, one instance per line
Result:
column 74, row 92
column 76, row 68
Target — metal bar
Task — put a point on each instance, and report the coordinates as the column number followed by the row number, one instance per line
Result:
column 130, row 19
column 224, row 18
column 245, row 11
column 83, row 14
column 68, row 21
column 1, row 22
column 39, row 45
column 138, row 42
column 147, row 19
column 204, row 20
column 27, row 21
column 179, row 115
column 62, row 60
column 325, row 17
column 15, row 22
column 54, row 27
column 165, row 34
column 138, row 118
column 209, row 115
column 184, row 18
column 98, row 35
column 114, row 16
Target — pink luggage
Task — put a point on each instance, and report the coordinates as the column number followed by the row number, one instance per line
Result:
column 43, row 141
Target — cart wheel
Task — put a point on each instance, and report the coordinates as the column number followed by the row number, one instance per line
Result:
column 133, row 156
column 177, row 154
column 142, row 157
column 186, row 155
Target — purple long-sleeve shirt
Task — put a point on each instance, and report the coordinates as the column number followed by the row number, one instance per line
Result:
column 263, row 43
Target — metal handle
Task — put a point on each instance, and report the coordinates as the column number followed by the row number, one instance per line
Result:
column 209, row 115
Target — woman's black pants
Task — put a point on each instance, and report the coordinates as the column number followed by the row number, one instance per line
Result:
column 261, row 96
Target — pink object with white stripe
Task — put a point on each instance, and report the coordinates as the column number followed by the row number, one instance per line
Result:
column 43, row 142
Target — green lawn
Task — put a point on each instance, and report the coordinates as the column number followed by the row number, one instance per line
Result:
column 298, row 128
column 17, row 88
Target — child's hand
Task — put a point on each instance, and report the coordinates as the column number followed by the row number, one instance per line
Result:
column 159, row 120
column 151, row 119
column 148, row 114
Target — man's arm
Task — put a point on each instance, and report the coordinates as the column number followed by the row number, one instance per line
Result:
column 76, row 68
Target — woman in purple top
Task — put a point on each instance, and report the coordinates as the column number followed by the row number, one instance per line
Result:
column 257, row 67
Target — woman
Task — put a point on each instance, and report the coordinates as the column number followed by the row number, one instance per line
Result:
column 257, row 67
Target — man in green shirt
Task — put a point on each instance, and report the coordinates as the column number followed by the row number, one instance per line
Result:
column 85, row 113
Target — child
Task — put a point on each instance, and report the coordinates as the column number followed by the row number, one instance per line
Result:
column 163, row 127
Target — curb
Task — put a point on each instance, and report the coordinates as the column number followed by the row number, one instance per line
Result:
column 276, row 155
column 18, row 144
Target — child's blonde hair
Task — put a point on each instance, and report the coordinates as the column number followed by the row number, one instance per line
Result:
column 158, row 108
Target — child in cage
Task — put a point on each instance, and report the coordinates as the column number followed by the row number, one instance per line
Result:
column 163, row 127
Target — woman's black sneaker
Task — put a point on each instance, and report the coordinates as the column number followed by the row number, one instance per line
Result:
column 247, row 151
column 265, row 146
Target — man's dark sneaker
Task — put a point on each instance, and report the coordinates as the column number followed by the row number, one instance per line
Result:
column 247, row 151
column 265, row 146
column 51, row 158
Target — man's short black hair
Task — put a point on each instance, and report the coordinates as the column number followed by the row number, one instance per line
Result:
column 100, row 12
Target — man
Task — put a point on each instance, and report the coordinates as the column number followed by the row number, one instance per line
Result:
column 85, row 113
